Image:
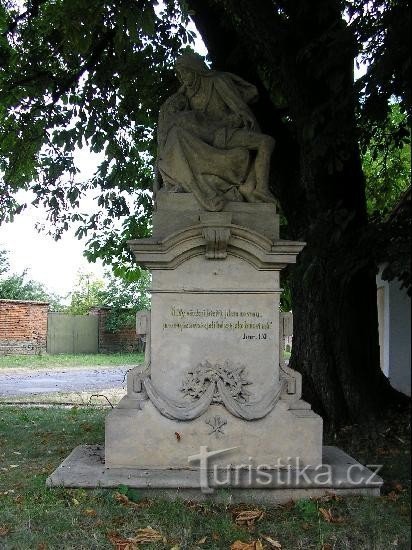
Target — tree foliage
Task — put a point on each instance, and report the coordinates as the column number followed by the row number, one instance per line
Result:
column 387, row 165
column 4, row 262
column 73, row 75
column 18, row 286
column 392, row 243
column 76, row 74
column 86, row 294
column 123, row 296
column 382, row 30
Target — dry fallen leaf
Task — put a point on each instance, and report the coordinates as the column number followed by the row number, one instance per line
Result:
column 4, row 531
column 121, row 543
column 123, row 499
column 326, row 514
column 178, row 436
column 327, row 546
column 148, row 535
column 90, row 512
column 239, row 545
column 254, row 545
column 329, row 517
column 330, row 496
column 248, row 517
column 274, row 543
column 120, row 497
column 202, row 541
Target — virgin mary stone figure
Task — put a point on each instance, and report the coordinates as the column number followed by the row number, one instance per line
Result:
column 209, row 142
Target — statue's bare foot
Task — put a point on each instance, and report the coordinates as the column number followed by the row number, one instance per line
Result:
column 248, row 193
column 263, row 196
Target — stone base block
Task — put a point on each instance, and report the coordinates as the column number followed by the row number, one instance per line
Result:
column 339, row 474
column 146, row 439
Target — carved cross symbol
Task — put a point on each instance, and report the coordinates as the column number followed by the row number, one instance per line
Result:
column 216, row 423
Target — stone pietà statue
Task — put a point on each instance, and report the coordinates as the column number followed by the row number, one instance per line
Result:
column 209, row 142
column 214, row 383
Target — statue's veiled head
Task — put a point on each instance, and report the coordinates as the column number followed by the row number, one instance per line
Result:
column 188, row 66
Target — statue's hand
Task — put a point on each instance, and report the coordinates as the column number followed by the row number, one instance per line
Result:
column 247, row 120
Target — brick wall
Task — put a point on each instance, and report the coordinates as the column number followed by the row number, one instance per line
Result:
column 124, row 340
column 23, row 327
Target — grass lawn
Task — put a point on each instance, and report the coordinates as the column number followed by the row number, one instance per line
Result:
column 64, row 360
column 34, row 441
column 105, row 397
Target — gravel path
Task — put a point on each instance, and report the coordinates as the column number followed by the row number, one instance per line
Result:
column 16, row 382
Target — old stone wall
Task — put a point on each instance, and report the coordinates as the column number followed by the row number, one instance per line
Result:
column 124, row 340
column 23, row 327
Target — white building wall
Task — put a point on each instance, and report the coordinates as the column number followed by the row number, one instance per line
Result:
column 394, row 314
column 400, row 338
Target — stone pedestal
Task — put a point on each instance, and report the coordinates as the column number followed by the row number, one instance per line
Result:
column 212, row 375
column 213, row 400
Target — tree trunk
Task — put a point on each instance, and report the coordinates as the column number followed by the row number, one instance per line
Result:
column 305, row 55
column 335, row 343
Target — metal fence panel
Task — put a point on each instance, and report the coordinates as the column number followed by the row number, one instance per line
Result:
column 72, row 333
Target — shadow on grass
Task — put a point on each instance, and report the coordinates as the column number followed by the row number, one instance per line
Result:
column 34, row 441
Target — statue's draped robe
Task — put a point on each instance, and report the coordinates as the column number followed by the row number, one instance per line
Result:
column 195, row 129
